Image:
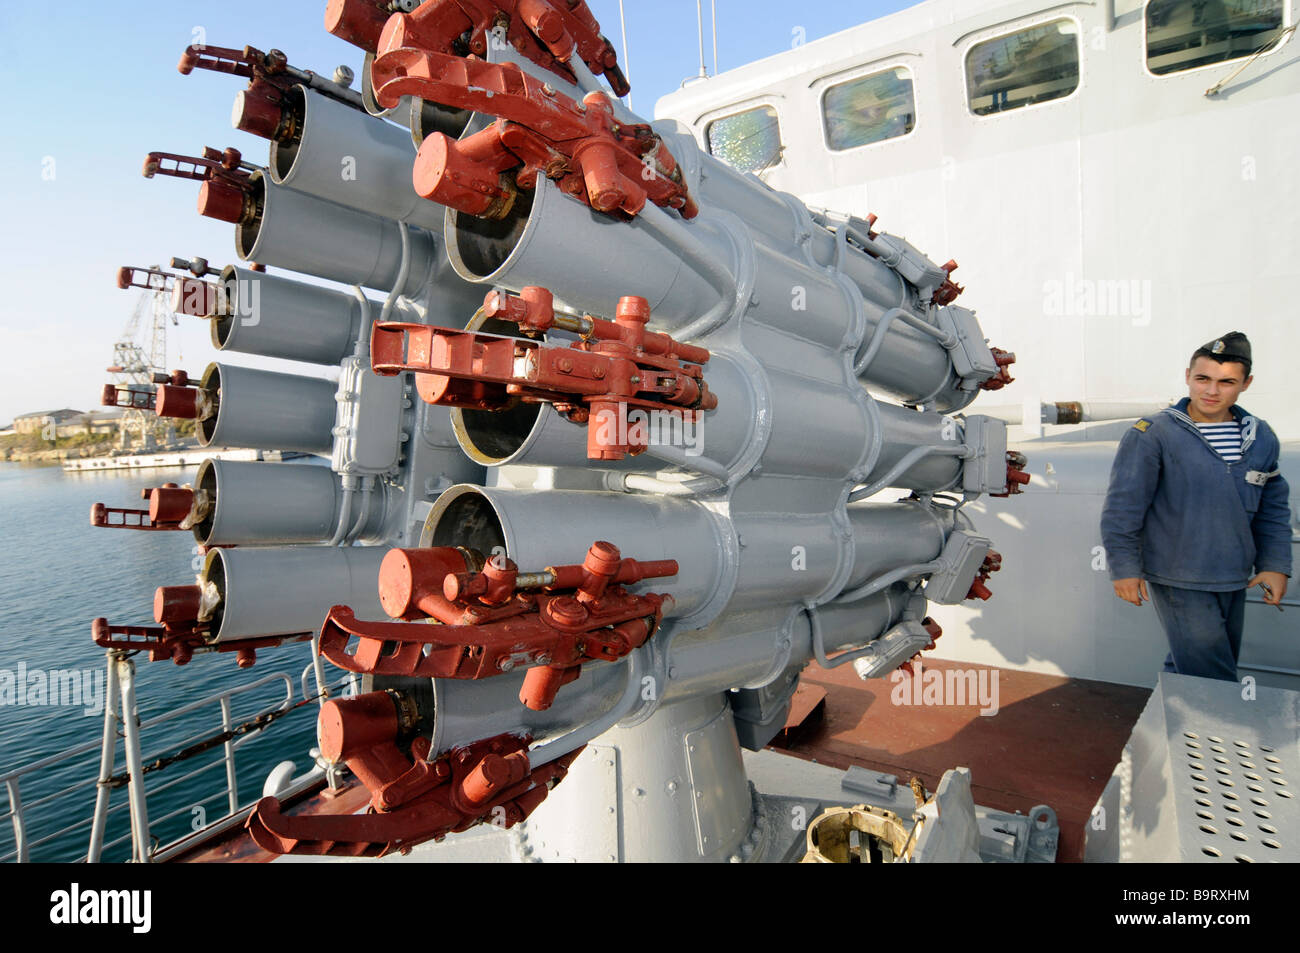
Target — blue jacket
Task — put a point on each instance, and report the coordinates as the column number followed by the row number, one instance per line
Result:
column 1178, row 514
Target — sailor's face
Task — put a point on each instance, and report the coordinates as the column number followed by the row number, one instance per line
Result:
column 1213, row 388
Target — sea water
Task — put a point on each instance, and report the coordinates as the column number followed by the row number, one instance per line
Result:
column 57, row 573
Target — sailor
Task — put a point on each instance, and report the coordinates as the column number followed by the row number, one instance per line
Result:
column 1197, row 513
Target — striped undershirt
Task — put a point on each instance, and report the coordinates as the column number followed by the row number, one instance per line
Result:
column 1224, row 437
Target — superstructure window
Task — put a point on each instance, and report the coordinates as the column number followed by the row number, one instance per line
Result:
column 869, row 109
column 1185, row 34
column 1035, row 65
column 749, row 141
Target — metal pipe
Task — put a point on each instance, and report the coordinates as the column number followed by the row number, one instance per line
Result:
column 898, row 469
column 107, row 757
column 627, row 65
column 16, row 812
column 232, row 786
column 887, row 579
column 134, row 766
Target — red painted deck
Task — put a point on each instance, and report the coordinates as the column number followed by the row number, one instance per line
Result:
column 1053, row 741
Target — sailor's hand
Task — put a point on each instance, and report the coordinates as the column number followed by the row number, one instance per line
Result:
column 1276, row 583
column 1132, row 590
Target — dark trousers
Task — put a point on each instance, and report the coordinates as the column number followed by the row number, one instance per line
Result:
column 1203, row 629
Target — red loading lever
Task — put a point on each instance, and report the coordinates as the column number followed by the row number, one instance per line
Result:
column 612, row 167
column 617, row 367
column 114, row 396
column 500, row 619
column 262, row 108
column 154, row 279
column 169, row 505
column 137, row 397
column 225, row 195
column 412, row 800
column 180, row 634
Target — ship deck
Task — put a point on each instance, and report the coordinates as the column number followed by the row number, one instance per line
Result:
column 1053, row 741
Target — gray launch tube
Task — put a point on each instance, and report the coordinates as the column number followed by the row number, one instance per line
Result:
column 275, row 503
column 290, row 590
column 267, row 410
column 300, row 232
column 349, row 157
column 540, row 528
column 279, row 317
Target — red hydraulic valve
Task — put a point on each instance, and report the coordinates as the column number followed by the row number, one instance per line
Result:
column 616, row 367
column 612, row 167
column 500, row 619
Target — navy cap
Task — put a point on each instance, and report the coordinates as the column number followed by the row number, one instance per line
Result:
column 1233, row 346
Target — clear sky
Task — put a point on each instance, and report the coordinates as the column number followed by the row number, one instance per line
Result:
column 92, row 87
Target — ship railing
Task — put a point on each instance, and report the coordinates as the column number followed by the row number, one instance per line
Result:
column 126, row 725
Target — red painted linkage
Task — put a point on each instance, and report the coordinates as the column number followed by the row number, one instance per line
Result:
column 225, row 194
column 500, row 619
column 1004, row 359
column 615, row 368
column 611, row 166
column 169, row 504
column 547, row 32
column 260, row 109
column 412, row 799
column 138, row 397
